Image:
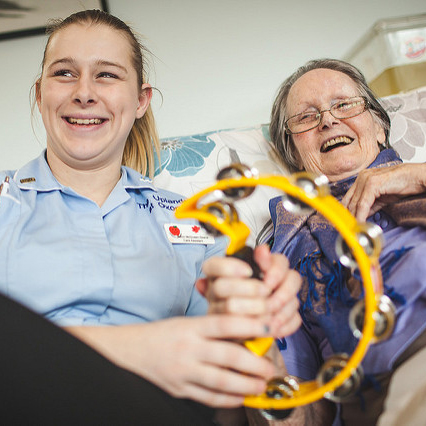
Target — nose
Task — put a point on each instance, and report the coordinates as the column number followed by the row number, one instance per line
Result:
column 84, row 93
column 328, row 120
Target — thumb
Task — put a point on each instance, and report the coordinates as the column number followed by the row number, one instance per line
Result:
column 201, row 285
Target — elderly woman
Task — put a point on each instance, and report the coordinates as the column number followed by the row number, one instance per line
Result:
column 326, row 120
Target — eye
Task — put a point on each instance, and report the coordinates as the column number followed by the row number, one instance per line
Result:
column 107, row 75
column 346, row 104
column 62, row 73
column 307, row 117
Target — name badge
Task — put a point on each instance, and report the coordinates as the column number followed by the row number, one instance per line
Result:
column 187, row 234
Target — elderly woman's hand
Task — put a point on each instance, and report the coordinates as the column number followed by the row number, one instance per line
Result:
column 375, row 188
column 229, row 289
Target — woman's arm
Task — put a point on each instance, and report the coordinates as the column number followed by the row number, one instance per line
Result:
column 375, row 188
column 200, row 357
column 188, row 357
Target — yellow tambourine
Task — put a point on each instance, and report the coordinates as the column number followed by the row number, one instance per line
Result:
column 357, row 245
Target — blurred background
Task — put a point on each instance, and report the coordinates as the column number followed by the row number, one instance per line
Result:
column 218, row 64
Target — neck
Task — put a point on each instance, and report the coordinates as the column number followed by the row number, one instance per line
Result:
column 93, row 183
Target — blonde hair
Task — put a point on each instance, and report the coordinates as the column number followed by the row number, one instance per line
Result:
column 143, row 137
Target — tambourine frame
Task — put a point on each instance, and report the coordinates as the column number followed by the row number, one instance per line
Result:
column 347, row 226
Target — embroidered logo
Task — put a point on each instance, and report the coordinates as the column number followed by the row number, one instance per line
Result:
column 162, row 202
column 147, row 205
column 166, row 203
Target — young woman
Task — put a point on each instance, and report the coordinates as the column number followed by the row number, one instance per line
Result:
column 84, row 232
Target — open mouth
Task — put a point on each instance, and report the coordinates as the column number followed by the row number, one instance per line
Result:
column 85, row 121
column 336, row 143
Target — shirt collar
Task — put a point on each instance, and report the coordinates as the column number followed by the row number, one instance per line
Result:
column 131, row 179
column 36, row 175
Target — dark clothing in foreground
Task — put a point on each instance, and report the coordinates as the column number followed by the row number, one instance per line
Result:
column 48, row 377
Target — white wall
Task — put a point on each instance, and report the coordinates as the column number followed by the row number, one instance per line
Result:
column 218, row 63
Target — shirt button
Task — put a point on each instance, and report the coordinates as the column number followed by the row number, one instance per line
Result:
column 384, row 223
column 377, row 216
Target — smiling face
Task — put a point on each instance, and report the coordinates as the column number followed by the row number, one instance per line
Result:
column 89, row 97
column 336, row 148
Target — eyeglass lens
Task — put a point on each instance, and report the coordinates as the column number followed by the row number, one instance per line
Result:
column 346, row 108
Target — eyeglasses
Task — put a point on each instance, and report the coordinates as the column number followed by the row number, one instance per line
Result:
column 347, row 108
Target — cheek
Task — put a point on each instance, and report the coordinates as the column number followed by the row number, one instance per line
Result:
column 304, row 151
column 369, row 130
column 50, row 98
column 124, row 102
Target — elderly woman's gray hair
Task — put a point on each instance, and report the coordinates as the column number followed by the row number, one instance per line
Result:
column 283, row 141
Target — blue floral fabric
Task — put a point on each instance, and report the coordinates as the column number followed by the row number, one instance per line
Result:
column 184, row 156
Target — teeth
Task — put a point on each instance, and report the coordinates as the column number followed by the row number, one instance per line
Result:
column 84, row 121
column 331, row 142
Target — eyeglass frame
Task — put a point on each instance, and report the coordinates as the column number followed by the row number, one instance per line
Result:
column 321, row 113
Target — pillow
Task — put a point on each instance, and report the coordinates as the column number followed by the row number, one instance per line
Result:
column 191, row 163
column 407, row 112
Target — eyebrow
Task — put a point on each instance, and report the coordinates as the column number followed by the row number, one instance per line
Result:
column 100, row 62
column 335, row 100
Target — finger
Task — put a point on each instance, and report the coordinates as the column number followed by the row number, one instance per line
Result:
column 363, row 208
column 287, row 321
column 230, row 326
column 229, row 355
column 239, row 306
column 285, row 293
column 228, row 381
column 361, row 197
column 236, row 287
column 354, row 196
column 274, row 266
column 202, row 285
column 212, row 398
column 218, row 307
column 346, row 200
column 226, row 267
column 278, row 273
column 262, row 256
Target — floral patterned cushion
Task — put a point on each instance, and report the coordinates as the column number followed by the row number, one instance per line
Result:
column 408, row 131
column 191, row 163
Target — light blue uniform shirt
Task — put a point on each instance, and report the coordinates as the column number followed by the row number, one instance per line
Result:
column 77, row 263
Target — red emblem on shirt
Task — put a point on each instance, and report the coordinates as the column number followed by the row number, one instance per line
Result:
column 174, row 230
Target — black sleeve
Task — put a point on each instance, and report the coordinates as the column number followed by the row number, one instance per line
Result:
column 48, row 377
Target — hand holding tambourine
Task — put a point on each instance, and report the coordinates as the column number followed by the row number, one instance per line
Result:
column 357, row 245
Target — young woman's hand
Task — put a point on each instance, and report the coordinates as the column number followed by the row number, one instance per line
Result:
column 229, row 288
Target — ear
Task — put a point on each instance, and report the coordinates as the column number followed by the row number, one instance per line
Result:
column 380, row 133
column 144, row 100
column 38, row 93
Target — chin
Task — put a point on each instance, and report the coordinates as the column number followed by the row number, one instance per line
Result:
column 343, row 173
